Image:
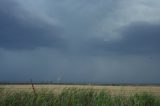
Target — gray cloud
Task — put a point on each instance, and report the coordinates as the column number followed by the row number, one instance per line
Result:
column 137, row 38
column 18, row 34
column 80, row 41
column 50, row 65
column 141, row 37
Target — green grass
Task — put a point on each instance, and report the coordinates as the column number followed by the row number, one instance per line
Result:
column 75, row 97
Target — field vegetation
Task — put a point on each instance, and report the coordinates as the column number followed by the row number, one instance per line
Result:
column 75, row 97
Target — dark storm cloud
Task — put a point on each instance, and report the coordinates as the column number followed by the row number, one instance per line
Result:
column 137, row 38
column 18, row 34
column 141, row 37
column 80, row 41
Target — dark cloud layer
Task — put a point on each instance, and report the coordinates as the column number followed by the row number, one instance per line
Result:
column 141, row 38
column 137, row 38
column 107, row 41
column 15, row 33
column 18, row 34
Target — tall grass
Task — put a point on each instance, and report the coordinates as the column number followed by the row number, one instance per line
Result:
column 75, row 97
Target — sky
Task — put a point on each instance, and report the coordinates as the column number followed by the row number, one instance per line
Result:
column 104, row 41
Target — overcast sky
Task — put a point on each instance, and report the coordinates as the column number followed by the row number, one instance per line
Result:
column 109, row 41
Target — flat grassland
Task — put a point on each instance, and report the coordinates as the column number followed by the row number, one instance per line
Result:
column 79, row 95
column 113, row 90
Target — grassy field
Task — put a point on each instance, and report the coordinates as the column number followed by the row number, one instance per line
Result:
column 79, row 95
column 114, row 90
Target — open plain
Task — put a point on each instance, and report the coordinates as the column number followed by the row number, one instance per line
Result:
column 78, row 95
column 114, row 90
